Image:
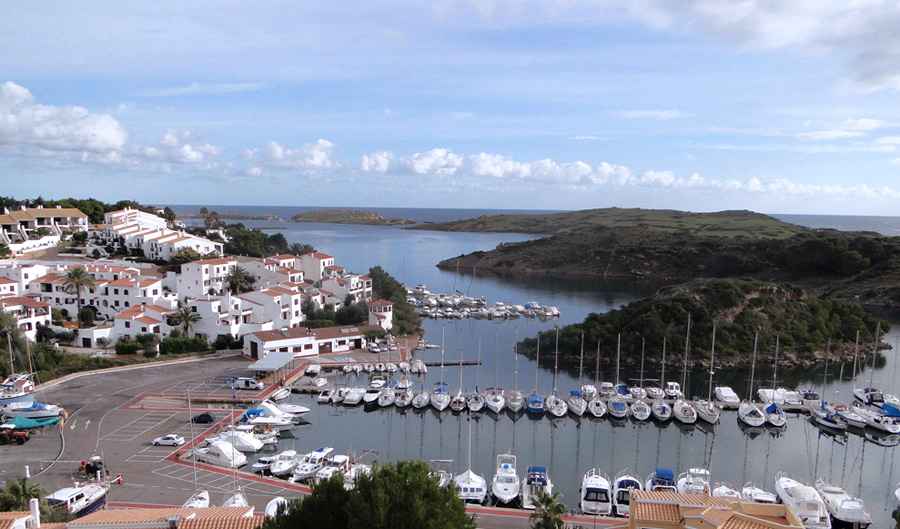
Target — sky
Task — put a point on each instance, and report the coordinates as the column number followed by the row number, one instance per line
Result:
column 699, row 105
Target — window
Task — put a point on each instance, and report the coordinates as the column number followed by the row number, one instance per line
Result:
column 155, row 291
column 127, row 324
column 116, row 291
column 143, row 329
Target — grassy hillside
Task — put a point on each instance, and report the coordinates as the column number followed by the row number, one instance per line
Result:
column 348, row 216
column 727, row 224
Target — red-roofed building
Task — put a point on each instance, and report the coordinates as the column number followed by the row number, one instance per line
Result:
column 381, row 313
column 30, row 313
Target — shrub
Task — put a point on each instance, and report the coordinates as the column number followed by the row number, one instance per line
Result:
column 127, row 348
column 227, row 341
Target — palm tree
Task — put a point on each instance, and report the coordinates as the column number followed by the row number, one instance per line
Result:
column 78, row 279
column 548, row 511
column 15, row 496
column 186, row 317
column 239, row 280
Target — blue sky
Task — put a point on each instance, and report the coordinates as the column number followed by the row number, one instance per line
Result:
column 701, row 105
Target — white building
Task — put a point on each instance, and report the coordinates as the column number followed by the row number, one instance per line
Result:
column 305, row 342
column 280, row 305
column 314, row 265
column 29, row 313
column 198, row 278
column 148, row 234
column 381, row 313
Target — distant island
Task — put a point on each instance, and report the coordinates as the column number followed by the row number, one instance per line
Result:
column 349, row 216
column 673, row 246
column 229, row 216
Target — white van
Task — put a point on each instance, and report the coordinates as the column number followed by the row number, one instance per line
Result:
column 248, row 383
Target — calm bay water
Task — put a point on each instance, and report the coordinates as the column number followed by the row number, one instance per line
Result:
column 569, row 446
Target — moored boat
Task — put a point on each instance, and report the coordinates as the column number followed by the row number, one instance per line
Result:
column 536, row 480
column 595, row 493
column 806, row 503
column 623, row 485
column 693, row 481
column 505, row 485
column 846, row 511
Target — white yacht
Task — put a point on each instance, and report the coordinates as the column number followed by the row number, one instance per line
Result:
column 726, row 395
column 707, row 410
column 879, row 420
column 661, row 479
column 505, row 485
column 221, row 453
column 623, row 484
column 694, row 481
column 804, row 500
column 673, row 390
column 495, row 399
column 597, row 407
column 311, row 463
column 724, row 489
column 243, row 441
column 751, row 492
column 471, row 487
column 354, row 396
column 236, row 500
column 536, row 480
column 200, row 500
column 617, row 407
column 684, row 412
column 846, row 510
column 440, row 398
column 595, row 493
column 284, row 463
column 440, row 471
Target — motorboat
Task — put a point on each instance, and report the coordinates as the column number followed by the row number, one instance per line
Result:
column 30, row 410
column 505, row 485
column 275, row 505
column 197, row 501
column 640, row 410
column 284, row 463
column 283, row 409
column 325, row 396
column 576, row 402
column 262, row 418
column 440, row 471
column 440, row 398
column 311, row 463
column 80, row 499
column 725, row 490
column 588, row 391
column 806, row 503
column 790, row 397
column 655, row 392
column 623, row 485
column 607, row 390
column 475, row 402
column 623, row 392
column 846, row 510
column 221, row 453
column 751, row 492
column 391, row 367
column 637, row 392
column 869, row 396
column 354, row 396
column 887, row 420
column 336, row 464
column 673, row 390
column 750, row 414
column 495, row 399
column 281, row 394
column 339, row 395
column 243, row 441
column 661, row 479
column 536, row 480
column 694, row 481
column 660, row 410
column 684, row 412
column 370, row 397
column 347, row 368
column 617, row 407
column 16, row 387
column 775, row 415
column 595, row 494
column 417, row 366
column 356, row 471
column 707, row 410
column 263, row 464
column 811, row 399
column 726, row 395
column 556, row 406
column 769, row 395
column 597, row 407
column 236, row 500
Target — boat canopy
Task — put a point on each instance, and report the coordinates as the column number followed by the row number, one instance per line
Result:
column 537, row 476
column 665, row 475
column 772, row 408
column 25, row 422
column 890, row 411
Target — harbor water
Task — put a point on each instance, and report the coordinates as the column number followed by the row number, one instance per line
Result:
column 863, row 462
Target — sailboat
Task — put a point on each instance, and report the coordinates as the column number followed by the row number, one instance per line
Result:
column 475, row 401
column 595, row 404
column 660, row 409
column 618, row 405
column 706, row 408
column 535, row 403
column 576, row 401
column 495, row 398
column 200, row 499
column 748, row 412
column 555, row 405
column 440, row 398
column 515, row 400
column 470, row 486
column 638, row 391
column 682, row 409
column 458, row 401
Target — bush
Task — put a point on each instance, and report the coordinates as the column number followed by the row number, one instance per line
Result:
column 148, row 341
column 127, row 348
column 227, row 341
column 80, row 237
column 87, row 315
column 318, row 324
column 176, row 345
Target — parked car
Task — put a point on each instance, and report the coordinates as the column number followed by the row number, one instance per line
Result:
column 204, row 418
column 169, row 440
column 248, row 383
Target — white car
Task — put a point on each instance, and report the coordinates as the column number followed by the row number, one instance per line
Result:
column 169, row 440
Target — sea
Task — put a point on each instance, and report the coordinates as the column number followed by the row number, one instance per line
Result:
column 865, row 463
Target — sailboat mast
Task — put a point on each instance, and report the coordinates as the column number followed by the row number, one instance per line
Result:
column 874, row 351
column 581, row 362
column 643, row 344
column 516, row 360
column 537, row 360
column 597, row 369
column 775, row 366
column 687, row 348
column 618, row 354
column 753, row 367
column 712, row 363
column 556, row 361
column 662, row 371
column 856, row 355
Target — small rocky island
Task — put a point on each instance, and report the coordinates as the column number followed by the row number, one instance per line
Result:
column 349, row 216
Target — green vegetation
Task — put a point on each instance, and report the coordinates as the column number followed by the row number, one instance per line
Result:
column 384, row 286
column 16, row 494
column 401, row 496
column 739, row 308
column 239, row 280
column 548, row 511
column 77, row 281
column 91, row 207
column 728, row 224
column 348, row 216
column 253, row 242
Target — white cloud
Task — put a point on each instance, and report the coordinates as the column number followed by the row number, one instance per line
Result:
column 652, row 114
column 588, row 137
column 310, row 156
column 377, row 162
column 829, row 135
column 30, row 128
column 205, row 89
column 889, row 140
column 862, row 124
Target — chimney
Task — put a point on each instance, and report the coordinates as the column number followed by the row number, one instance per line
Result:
column 173, row 521
column 34, row 506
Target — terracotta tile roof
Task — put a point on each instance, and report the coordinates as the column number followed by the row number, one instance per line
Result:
column 366, row 278
column 381, row 303
column 144, row 516
column 240, row 523
column 50, row 278
column 283, row 291
column 6, row 219
column 124, row 282
column 291, row 333
column 220, row 261
column 346, row 331
column 25, row 302
column 284, row 256
column 14, row 515
column 20, row 215
column 320, row 255
column 53, row 212
column 4, row 280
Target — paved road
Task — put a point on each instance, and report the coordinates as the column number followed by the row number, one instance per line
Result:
column 117, row 414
